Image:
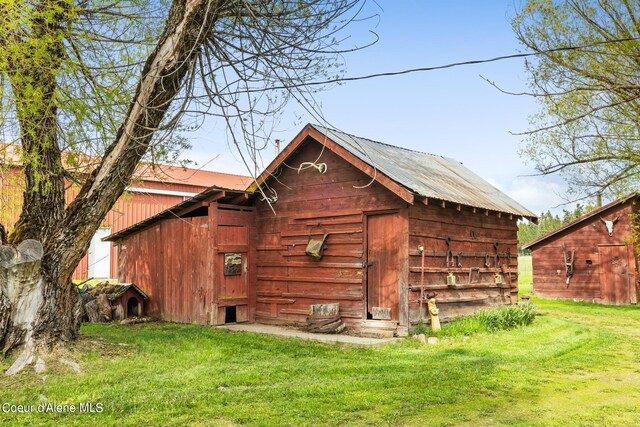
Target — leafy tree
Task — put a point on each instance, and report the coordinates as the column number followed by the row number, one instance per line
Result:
column 589, row 97
column 114, row 78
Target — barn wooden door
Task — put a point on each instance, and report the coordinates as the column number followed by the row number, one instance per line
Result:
column 383, row 262
column 233, row 264
column 615, row 276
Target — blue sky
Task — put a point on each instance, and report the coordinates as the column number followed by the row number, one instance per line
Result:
column 451, row 112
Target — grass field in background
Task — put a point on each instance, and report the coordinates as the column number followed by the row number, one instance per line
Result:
column 577, row 364
column 525, row 275
column 525, row 270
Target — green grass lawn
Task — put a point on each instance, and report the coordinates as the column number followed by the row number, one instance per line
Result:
column 578, row 364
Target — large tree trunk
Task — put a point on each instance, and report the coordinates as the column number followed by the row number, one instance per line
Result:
column 28, row 312
column 39, row 306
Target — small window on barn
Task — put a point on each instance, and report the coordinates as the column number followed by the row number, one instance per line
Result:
column 232, row 264
column 589, row 262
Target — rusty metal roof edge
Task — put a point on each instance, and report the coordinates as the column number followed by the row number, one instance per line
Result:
column 583, row 218
column 490, row 207
column 439, row 161
column 519, row 215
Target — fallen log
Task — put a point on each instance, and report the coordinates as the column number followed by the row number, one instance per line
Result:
column 320, row 321
column 324, row 325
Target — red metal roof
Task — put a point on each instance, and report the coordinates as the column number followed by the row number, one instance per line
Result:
column 10, row 154
column 195, row 177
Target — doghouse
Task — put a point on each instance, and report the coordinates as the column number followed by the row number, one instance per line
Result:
column 591, row 258
column 335, row 219
column 126, row 299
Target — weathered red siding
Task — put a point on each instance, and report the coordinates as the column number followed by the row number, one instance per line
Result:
column 472, row 244
column 128, row 210
column 593, row 254
column 178, row 263
column 309, row 205
column 168, row 263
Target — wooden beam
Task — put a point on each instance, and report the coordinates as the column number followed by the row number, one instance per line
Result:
column 215, row 197
column 499, row 214
column 443, row 204
column 475, row 210
column 192, row 208
column 459, row 208
column 486, row 213
column 240, row 198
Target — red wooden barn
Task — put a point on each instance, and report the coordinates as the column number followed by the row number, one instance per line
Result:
column 193, row 260
column 341, row 219
column 153, row 189
column 590, row 259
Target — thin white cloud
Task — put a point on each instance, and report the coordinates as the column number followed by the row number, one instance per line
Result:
column 496, row 184
column 539, row 194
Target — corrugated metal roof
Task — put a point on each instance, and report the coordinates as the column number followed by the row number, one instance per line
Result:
column 581, row 219
column 428, row 175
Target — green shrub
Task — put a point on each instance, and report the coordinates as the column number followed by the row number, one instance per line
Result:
column 497, row 319
column 508, row 317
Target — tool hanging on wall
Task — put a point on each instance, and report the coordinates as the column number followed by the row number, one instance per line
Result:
column 422, row 295
column 508, row 269
column 568, row 262
column 458, row 258
column 449, row 253
column 316, row 247
column 496, row 256
column 477, row 276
